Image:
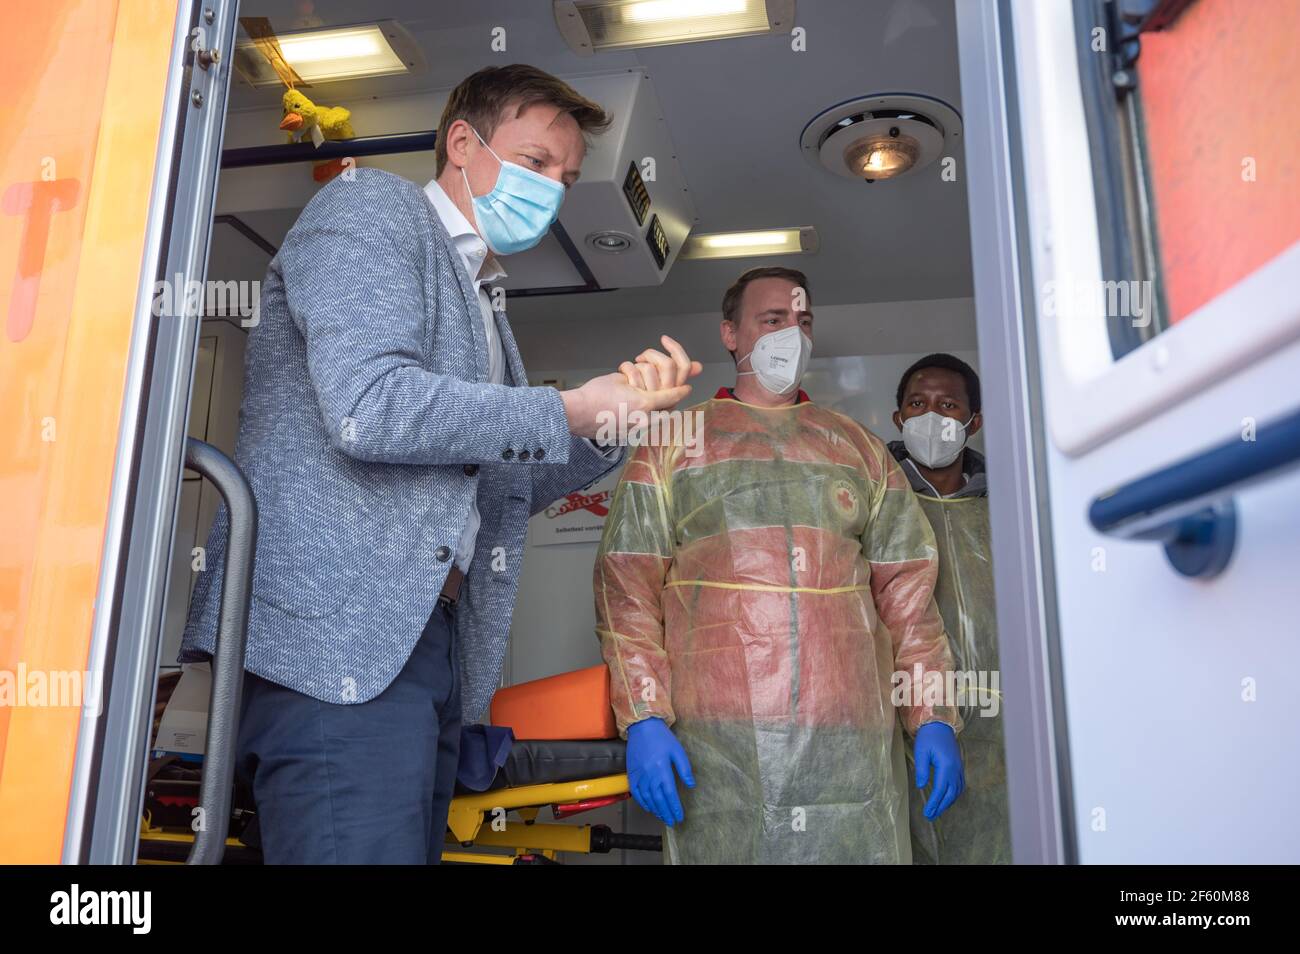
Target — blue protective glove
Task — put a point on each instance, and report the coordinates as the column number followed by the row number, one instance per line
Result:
column 652, row 754
column 936, row 745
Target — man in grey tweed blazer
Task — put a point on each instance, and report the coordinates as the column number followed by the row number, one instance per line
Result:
column 396, row 451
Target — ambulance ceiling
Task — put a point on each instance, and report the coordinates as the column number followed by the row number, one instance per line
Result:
column 735, row 109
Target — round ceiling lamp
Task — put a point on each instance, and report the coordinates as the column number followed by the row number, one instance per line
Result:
column 884, row 136
column 610, row 241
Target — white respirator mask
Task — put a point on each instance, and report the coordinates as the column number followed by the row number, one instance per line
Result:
column 779, row 359
column 934, row 440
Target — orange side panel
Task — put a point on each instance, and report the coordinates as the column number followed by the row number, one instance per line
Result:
column 572, row 705
column 83, row 84
column 1220, row 89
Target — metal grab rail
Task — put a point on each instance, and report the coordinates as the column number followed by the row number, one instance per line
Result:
column 228, row 662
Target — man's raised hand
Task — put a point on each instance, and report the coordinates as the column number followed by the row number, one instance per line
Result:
column 653, row 370
column 655, row 382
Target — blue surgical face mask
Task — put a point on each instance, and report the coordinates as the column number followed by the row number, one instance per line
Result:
column 520, row 208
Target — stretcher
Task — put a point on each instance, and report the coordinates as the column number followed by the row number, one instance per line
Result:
column 567, row 757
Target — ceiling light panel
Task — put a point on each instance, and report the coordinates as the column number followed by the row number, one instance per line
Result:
column 590, row 26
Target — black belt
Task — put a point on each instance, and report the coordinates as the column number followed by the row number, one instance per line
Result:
column 451, row 589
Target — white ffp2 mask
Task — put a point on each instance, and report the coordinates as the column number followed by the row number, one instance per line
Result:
column 780, row 358
column 934, row 440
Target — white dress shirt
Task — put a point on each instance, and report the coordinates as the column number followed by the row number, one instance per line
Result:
column 483, row 268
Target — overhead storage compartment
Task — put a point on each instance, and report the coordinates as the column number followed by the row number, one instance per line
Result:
column 622, row 224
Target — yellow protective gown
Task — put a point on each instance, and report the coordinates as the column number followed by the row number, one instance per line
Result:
column 976, row 828
column 758, row 597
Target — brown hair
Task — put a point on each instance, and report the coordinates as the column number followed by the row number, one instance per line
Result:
column 482, row 99
column 731, row 300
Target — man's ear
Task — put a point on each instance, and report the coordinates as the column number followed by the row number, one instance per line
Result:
column 898, row 421
column 458, row 136
column 728, row 335
column 976, row 422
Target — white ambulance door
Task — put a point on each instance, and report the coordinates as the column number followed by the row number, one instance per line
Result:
column 1136, row 273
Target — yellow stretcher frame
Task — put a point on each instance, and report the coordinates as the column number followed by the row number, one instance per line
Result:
column 469, row 825
column 468, row 816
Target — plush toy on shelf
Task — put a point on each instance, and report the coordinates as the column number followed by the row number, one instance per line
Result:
column 303, row 119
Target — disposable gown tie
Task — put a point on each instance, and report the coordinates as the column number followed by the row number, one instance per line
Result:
column 758, row 597
column 976, row 829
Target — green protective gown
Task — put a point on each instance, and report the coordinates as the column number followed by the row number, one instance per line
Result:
column 975, row 829
column 758, row 596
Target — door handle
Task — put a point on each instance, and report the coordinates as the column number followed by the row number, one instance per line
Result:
column 1188, row 506
column 228, row 660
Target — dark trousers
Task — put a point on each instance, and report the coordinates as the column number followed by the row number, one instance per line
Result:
column 367, row 783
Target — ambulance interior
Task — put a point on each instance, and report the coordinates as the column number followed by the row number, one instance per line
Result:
column 719, row 136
